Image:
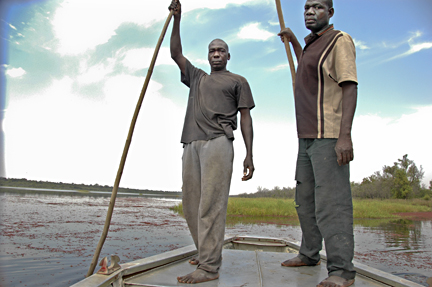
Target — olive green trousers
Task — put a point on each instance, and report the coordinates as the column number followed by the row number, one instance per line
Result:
column 324, row 207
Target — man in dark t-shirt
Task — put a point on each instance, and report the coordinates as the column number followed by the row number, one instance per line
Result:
column 211, row 117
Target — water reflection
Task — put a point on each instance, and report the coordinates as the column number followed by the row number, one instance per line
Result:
column 394, row 234
column 92, row 193
column 400, row 234
column 403, row 233
column 400, row 246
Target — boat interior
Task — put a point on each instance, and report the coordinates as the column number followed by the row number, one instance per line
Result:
column 247, row 262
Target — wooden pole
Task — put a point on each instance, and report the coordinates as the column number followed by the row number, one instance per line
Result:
column 126, row 149
column 287, row 47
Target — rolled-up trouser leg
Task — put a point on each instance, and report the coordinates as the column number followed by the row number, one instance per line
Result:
column 333, row 207
column 311, row 243
column 209, row 214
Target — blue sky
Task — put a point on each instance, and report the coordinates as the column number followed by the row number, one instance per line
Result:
column 75, row 69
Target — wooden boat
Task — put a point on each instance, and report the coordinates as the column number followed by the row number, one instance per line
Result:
column 247, row 261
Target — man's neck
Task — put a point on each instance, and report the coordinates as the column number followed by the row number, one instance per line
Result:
column 323, row 30
column 218, row 71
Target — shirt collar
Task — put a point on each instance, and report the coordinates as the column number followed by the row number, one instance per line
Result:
column 320, row 33
column 325, row 29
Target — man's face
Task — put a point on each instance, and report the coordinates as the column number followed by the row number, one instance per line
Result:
column 317, row 15
column 218, row 55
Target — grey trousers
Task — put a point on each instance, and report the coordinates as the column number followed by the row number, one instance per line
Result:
column 325, row 211
column 207, row 171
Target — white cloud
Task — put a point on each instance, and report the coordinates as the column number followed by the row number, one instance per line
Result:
column 60, row 136
column 80, row 25
column 200, row 61
column 133, row 59
column 189, row 5
column 279, row 67
column 274, row 154
column 137, row 59
column 254, row 32
column 381, row 141
column 94, row 73
column 16, row 72
column 360, row 45
column 414, row 47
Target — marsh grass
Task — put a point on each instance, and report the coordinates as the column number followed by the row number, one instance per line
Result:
column 363, row 208
column 368, row 208
column 261, row 207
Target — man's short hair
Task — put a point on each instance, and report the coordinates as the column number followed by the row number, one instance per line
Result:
column 329, row 3
column 217, row 39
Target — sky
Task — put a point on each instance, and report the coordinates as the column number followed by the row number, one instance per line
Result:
column 72, row 72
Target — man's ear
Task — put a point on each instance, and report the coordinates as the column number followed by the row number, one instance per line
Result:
column 331, row 12
column 229, row 56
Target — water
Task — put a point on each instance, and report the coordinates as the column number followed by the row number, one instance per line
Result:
column 49, row 240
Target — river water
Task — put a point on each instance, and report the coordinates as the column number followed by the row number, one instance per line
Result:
column 50, row 239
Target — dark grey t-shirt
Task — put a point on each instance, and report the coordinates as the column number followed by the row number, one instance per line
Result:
column 214, row 101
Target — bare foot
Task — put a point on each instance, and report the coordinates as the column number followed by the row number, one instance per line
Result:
column 335, row 281
column 198, row 276
column 194, row 261
column 296, row 262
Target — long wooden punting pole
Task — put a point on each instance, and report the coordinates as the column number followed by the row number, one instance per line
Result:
column 126, row 149
column 287, row 47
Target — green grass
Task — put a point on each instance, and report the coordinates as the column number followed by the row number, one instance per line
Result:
column 261, row 207
column 368, row 208
column 83, row 191
column 363, row 208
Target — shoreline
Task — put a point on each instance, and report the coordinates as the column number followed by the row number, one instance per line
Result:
column 36, row 190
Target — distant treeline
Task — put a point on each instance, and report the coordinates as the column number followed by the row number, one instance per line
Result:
column 22, row 182
column 401, row 180
column 276, row 192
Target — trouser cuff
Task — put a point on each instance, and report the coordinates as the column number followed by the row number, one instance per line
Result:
column 307, row 260
column 209, row 270
column 347, row 275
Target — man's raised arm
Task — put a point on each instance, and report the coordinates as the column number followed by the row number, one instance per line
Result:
column 175, row 44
